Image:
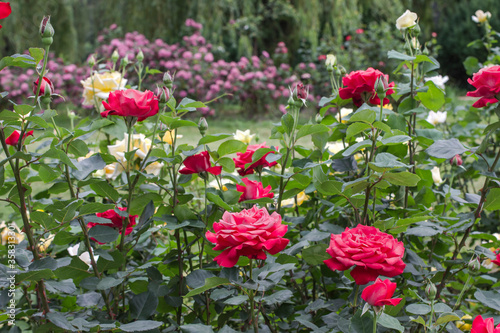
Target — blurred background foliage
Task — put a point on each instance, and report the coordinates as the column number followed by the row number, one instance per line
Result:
column 242, row 28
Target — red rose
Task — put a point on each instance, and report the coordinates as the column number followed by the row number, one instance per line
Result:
column 301, row 91
column 46, row 84
column 359, row 31
column 253, row 190
column 5, row 10
column 373, row 253
column 242, row 159
column 199, row 163
column 497, row 260
column 131, row 103
column 13, row 139
column 321, row 57
column 250, row 233
column 348, row 38
column 480, row 325
column 487, row 84
column 360, row 86
column 380, row 293
column 116, row 220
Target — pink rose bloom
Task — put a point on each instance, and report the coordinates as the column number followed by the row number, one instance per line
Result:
column 250, row 233
column 265, row 54
column 373, row 253
column 187, row 55
column 253, row 190
column 480, row 325
column 359, row 31
column 487, row 84
column 209, row 57
column 242, row 159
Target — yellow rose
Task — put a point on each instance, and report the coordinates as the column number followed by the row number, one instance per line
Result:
column 481, row 16
column 407, row 20
column 10, row 236
column 301, row 197
column 244, row 136
column 463, row 326
column 102, row 85
column 45, row 243
column 169, row 137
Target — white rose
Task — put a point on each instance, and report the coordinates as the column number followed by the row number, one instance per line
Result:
column 244, row 136
column 335, row 147
column 436, row 117
column 331, row 60
column 343, row 113
column 438, row 80
column 436, row 176
column 407, row 20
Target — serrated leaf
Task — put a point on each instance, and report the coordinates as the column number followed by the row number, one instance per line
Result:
column 141, row 325
column 446, row 148
column 105, row 190
column 231, row 147
column 210, row 283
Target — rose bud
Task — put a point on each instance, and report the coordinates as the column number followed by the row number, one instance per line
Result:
column 202, row 126
column 46, row 88
column 456, row 160
column 163, row 95
column 46, row 31
column 430, row 291
column 167, row 80
column 140, row 56
column 91, row 61
column 474, row 265
column 115, row 56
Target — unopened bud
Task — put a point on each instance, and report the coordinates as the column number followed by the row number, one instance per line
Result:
column 416, row 30
column 71, row 115
column 343, row 71
column 163, row 95
column 140, row 56
column 115, row 56
column 124, row 61
column 474, row 265
column 167, row 80
column 46, row 31
column 91, row 61
column 46, row 88
column 331, row 62
column 300, row 92
column 426, row 51
column 381, row 85
column 319, row 118
column 415, row 43
column 430, row 291
column 202, row 126
column 456, row 160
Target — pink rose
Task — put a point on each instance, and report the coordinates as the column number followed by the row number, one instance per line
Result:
column 380, row 293
column 373, row 253
column 242, row 159
column 253, row 190
column 480, row 325
column 46, row 85
column 131, row 103
column 250, row 233
column 487, row 84
column 360, row 86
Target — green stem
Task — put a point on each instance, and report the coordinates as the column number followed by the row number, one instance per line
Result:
column 251, row 295
column 375, row 317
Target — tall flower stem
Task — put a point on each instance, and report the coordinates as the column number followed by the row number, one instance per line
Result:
column 251, row 295
column 375, row 317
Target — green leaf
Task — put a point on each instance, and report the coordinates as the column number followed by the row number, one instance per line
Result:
column 76, row 270
column 226, row 163
column 287, row 122
column 446, row 318
column 316, row 254
column 182, row 123
column 367, row 116
column 23, row 109
column 141, row 325
column 390, row 322
column 48, row 174
column 105, row 190
column 213, row 138
column 8, row 115
column 231, row 147
column 94, row 207
column 18, row 60
column 330, row 187
column 395, row 139
column 103, row 234
column 278, row 297
column 68, row 213
column 418, row 309
column 446, row 148
column 210, row 283
column 78, row 148
column 356, row 147
column 385, row 161
column 196, row 328
column 43, row 219
column 399, row 56
column 356, row 128
column 189, row 104
column 471, row 65
column 490, row 298
column 492, row 200
column 143, row 305
column 433, row 98
column 38, row 120
column 218, row 201
column 34, row 275
column 402, row 178
column 59, row 320
column 310, row 129
column 59, row 155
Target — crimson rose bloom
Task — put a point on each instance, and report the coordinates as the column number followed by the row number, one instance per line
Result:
column 13, row 139
column 360, row 86
column 253, row 190
column 380, row 293
column 131, row 103
column 116, row 221
column 480, row 325
column 497, row 260
column 373, row 253
column 199, row 163
column 250, row 233
column 46, row 84
column 5, row 10
column 487, row 84
column 245, row 158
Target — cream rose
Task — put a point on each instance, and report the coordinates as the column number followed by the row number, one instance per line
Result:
column 97, row 87
column 436, row 176
column 436, row 117
column 244, row 136
column 407, row 20
column 331, row 60
column 481, row 16
column 169, row 137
